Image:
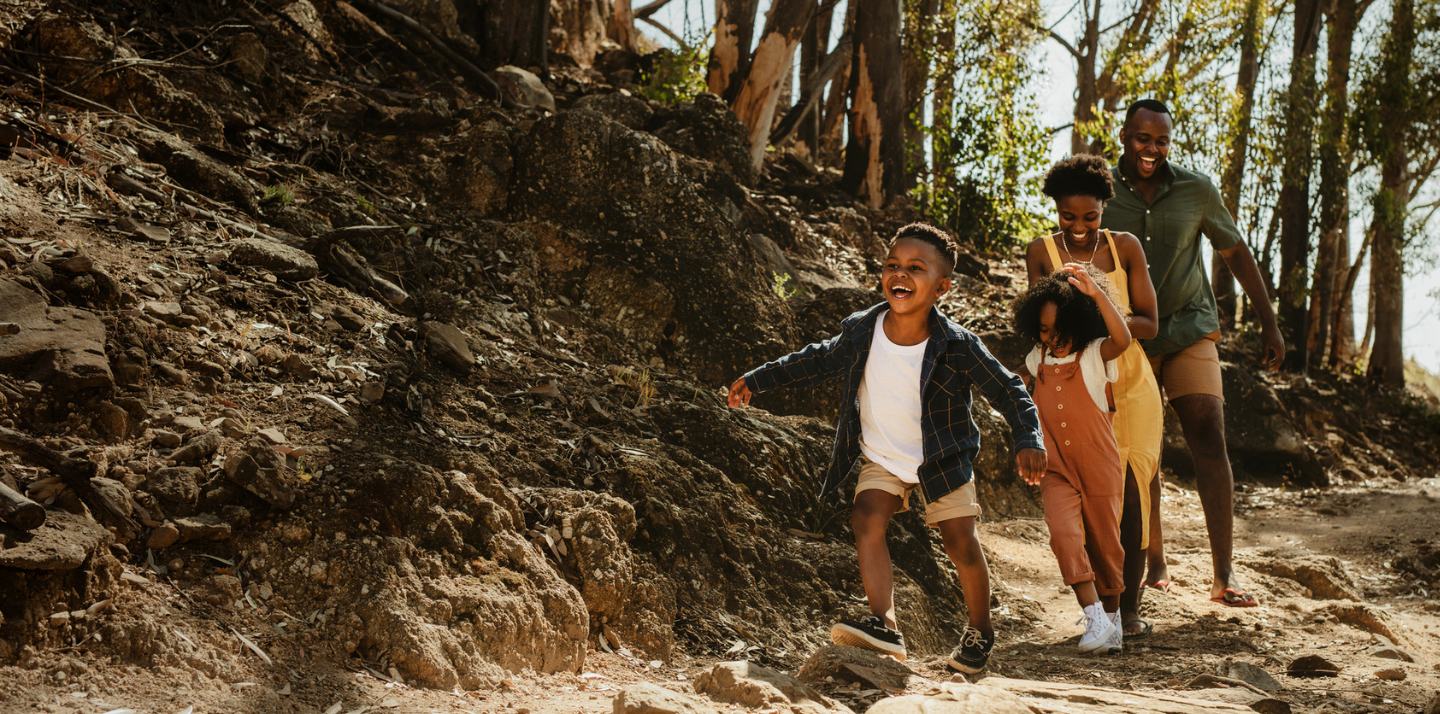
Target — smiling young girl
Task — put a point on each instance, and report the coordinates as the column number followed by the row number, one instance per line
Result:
column 1078, row 334
column 1080, row 186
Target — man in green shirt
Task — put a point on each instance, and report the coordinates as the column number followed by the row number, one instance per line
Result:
column 1170, row 208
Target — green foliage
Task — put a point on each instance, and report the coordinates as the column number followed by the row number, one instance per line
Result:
column 366, row 207
column 782, row 287
column 677, row 75
column 988, row 147
column 279, row 193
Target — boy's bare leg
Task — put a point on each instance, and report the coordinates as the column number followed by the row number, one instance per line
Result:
column 869, row 517
column 964, row 550
column 1158, row 571
column 1130, row 537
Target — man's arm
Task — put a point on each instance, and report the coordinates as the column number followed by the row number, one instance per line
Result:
column 1242, row 265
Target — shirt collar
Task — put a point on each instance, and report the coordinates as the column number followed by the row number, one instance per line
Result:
column 1167, row 178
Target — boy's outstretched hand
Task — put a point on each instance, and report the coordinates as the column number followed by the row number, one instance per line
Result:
column 739, row 393
column 1031, row 463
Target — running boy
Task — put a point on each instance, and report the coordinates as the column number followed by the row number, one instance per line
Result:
column 908, row 371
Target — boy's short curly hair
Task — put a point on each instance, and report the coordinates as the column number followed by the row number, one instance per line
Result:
column 1077, row 317
column 943, row 243
column 1080, row 175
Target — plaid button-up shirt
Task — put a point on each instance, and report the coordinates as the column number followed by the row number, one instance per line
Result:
column 955, row 359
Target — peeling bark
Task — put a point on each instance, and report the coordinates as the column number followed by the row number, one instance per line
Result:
column 875, row 156
column 771, row 67
column 1221, row 280
column 730, row 58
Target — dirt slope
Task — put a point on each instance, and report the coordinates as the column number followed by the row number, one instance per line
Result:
column 395, row 398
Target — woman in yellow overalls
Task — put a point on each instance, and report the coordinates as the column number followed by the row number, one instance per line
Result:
column 1080, row 186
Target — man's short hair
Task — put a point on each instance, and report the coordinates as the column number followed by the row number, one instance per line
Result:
column 943, row 243
column 1154, row 105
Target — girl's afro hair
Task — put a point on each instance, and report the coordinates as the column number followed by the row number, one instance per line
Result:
column 1080, row 175
column 1077, row 317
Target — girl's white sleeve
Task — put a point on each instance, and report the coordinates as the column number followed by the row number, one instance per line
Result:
column 1097, row 371
column 1032, row 361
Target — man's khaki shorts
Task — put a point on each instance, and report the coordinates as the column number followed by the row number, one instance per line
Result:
column 1193, row 370
column 957, row 504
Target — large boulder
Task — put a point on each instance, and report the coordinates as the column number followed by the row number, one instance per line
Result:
column 59, row 345
column 1260, row 435
column 650, row 249
column 705, row 128
column 758, row 687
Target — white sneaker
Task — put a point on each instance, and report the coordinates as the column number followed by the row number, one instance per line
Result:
column 1097, row 628
column 1116, row 643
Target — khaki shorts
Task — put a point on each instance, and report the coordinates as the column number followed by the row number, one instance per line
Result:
column 1193, row 370
column 957, row 504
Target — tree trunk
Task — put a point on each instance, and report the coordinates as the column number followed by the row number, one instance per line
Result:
column 730, row 58
column 1295, row 185
column 514, row 32
column 1087, row 93
column 1334, row 148
column 1231, row 182
column 622, row 27
column 1387, row 268
column 755, row 104
column 812, row 53
column 1342, row 348
column 875, row 155
column 832, row 121
column 919, row 48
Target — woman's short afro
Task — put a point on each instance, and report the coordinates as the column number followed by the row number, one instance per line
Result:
column 1080, row 175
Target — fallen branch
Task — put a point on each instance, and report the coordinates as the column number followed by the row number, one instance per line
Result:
column 810, row 95
column 440, row 46
column 19, row 511
column 75, row 473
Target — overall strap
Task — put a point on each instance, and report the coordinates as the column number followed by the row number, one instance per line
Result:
column 1055, row 261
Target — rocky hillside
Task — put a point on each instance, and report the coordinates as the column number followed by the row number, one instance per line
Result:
column 311, row 352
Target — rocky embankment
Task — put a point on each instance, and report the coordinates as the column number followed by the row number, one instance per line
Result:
column 313, row 356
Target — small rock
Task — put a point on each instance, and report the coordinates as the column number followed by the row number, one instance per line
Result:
column 177, row 487
column 77, row 264
column 1246, row 672
column 449, row 345
column 162, row 310
column 1433, row 706
column 198, row 448
column 175, row 565
column 349, row 320
column 273, row 435
column 1390, row 652
column 187, row 423
column 203, row 527
column 167, row 439
column 524, row 86
column 1391, row 674
column 646, row 698
column 260, row 470
column 372, row 391
column 171, row 373
column 232, row 428
column 134, row 580
column 751, row 685
column 285, row 262
column 59, row 618
column 1312, row 666
column 299, row 366
column 164, row 536
column 112, row 421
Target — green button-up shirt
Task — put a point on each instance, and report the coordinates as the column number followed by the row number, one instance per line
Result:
column 1186, row 205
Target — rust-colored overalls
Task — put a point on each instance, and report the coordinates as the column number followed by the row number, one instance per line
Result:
column 1084, row 484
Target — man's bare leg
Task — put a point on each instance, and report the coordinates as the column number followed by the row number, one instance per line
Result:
column 1202, row 417
column 869, row 517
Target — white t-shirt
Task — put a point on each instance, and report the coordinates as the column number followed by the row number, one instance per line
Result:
column 1094, row 369
column 890, row 405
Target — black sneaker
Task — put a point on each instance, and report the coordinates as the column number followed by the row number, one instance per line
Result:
column 869, row 633
column 974, row 651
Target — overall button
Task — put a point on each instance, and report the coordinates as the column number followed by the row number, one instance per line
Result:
column 1057, row 389
column 1067, row 442
column 1062, row 425
column 1057, row 370
column 1059, row 406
